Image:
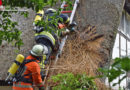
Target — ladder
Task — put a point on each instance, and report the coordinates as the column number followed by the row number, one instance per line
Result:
column 63, row 40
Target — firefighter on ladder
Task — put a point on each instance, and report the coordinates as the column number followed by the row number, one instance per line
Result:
column 31, row 76
column 51, row 39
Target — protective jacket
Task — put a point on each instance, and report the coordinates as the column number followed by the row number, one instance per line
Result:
column 31, row 76
column 49, row 38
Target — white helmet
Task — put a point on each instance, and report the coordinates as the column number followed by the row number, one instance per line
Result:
column 39, row 50
column 50, row 10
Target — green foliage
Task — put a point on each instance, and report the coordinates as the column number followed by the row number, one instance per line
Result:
column 8, row 30
column 34, row 4
column 25, row 14
column 70, row 81
column 50, row 23
column 119, row 67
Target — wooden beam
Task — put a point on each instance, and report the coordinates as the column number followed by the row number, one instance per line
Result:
column 122, row 34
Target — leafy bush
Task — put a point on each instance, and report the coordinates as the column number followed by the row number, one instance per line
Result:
column 69, row 81
column 119, row 67
column 9, row 32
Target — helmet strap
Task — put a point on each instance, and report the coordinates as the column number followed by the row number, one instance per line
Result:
column 39, row 58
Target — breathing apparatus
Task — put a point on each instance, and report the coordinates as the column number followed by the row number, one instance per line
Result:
column 15, row 66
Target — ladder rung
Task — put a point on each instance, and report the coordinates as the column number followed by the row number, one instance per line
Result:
column 66, row 12
column 66, row 5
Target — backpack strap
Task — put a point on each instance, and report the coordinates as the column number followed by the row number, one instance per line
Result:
column 21, row 77
column 29, row 60
column 18, row 63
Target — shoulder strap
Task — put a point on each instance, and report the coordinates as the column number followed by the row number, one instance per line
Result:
column 19, row 76
column 29, row 60
column 26, row 61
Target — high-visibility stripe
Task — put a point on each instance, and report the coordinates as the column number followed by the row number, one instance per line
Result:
column 48, row 34
column 21, row 85
column 68, row 20
column 42, row 65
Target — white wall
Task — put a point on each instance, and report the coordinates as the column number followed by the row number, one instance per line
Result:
column 124, row 27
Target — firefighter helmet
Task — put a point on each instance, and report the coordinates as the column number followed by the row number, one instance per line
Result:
column 50, row 10
column 39, row 50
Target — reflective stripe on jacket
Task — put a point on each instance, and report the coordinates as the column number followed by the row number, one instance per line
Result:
column 22, row 86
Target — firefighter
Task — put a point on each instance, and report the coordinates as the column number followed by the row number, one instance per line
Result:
column 31, row 76
column 61, row 23
column 51, row 38
column 64, row 23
